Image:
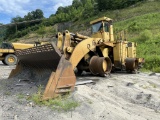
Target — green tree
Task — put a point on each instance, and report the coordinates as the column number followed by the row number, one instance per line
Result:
column 76, row 3
column 29, row 16
column 60, row 10
column 17, row 19
column 37, row 14
column 21, row 28
column 88, row 9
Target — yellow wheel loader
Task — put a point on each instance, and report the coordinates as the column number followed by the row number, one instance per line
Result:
column 7, row 52
column 99, row 54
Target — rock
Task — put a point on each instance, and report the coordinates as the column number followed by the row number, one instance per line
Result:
column 15, row 117
column 153, row 73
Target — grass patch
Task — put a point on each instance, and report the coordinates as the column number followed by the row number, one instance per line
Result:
column 144, row 70
column 20, row 96
column 157, row 69
column 152, row 63
column 41, row 30
column 60, row 103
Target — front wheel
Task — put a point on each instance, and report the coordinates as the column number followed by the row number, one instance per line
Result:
column 10, row 59
column 4, row 62
column 78, row 72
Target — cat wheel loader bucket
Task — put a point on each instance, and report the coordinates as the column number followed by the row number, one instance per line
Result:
column 47, row 65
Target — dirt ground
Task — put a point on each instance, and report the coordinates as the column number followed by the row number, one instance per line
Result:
column 120, row 96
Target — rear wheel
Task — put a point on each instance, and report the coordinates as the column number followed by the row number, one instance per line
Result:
column 10, row 59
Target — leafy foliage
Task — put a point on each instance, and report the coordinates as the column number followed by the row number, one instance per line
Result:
column 152, row 63
column 2, row 33
column 80, row 9
column 146, row 35
column 114, row 4
column 41, row 30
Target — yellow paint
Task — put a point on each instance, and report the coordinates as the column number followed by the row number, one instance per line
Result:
column 70, row 49
column 60, row 41
column 111, row 36
column 100, row 19
column 22, row 46
column 132, row 50
column 119, row 52
column 104, row 51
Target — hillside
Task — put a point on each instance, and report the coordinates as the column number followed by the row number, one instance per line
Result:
column 141, row 21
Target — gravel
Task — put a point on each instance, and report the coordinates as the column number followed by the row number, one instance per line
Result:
column 120, row 96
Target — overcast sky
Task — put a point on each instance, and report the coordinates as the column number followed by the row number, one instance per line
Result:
column 12, row 8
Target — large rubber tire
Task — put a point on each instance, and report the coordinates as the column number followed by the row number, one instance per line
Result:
column 4, row 62
column 10, row 59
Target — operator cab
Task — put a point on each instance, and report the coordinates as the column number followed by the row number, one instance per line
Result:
column 102, row 28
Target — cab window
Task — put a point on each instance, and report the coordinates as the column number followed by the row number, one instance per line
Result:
column 106, row 27
column 6, row 46
column 97, row 27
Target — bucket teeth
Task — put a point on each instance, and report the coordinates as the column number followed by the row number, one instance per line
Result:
column 65, row 86
column 63, row 91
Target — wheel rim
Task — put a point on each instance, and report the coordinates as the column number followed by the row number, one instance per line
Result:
column 11, row 59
